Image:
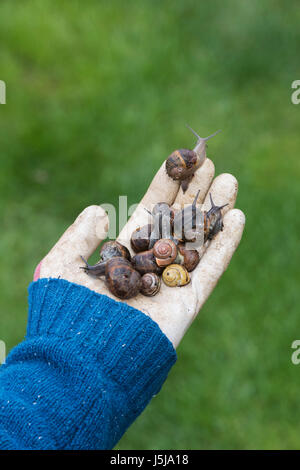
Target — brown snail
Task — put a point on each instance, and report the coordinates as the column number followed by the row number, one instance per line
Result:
column 165, row 252
column 175, row 275
column 140, row 238
column 162, row 225
column 108, row 250
column 182, row 164
column 187, row 258
column 213, row 220
column 188, row 222
column 150, row 284
column 144, row 262
column 121, row 278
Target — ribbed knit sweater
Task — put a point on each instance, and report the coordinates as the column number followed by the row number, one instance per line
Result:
column 87, row 368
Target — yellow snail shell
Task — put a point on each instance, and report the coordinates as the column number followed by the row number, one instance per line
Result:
column 175, row 275
column 165, row 252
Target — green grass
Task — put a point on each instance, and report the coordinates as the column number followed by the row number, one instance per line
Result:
column 98, row 94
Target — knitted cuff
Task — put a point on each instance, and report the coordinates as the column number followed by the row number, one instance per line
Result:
column 128, row 345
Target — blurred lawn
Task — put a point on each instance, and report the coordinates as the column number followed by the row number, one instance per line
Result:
column 98, row 94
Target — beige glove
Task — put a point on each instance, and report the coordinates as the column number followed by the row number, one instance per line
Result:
column 174, row 309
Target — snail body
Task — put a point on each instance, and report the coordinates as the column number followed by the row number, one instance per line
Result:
column 150, row 284
column 183, row 163
column 144, row 262
column 165, row 252
column 175, row 275
column 108, row 250
column 121, row 278
column 213, row 220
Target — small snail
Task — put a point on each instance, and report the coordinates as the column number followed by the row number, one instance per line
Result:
column 188, row 222
column 165, row 252
column 162, row 225
column 121, row 278
column 150, row 284
column 109, row 250
column 175, row 275
column 144, row 262
column 187, row 258
column 140, row 238
column 182, row 164
column 213, row 220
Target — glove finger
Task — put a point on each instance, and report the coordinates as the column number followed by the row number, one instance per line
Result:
column 223, row 190
column 80, row 239
column 217, row 256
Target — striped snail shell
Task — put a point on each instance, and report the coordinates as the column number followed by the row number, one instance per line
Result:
column 182, row 164
column 121, row 278
column 140, row 238
column 187, row 258
column 165, row 252
column 175, row 275
column 144, row 262
column 150, row 284
column 112, row 249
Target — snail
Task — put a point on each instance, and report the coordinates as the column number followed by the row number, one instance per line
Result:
column 182, row 164
column 188, row 223
column 113, row 248
column 175, row 275
column 108, row 250
column 163, row 217
column 213, row 220
column 150, row 284
column 140, row 238
column 121, row 278
column 144, row 262
column 187, row 258
column 165, row 252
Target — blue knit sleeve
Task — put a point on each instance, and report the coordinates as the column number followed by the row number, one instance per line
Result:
column 88, row 367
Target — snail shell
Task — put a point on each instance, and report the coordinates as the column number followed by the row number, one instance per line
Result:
column 162, row 226
column 112, row 249
column 121, row 278
column 150, row 284
column 144, row 262
column 188, row 222
column 187, row 258
column 182, row 164
column 165, row 252
column 140, row 238
column 175, row 275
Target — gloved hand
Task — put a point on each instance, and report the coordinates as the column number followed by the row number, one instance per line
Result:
column 174, row 309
